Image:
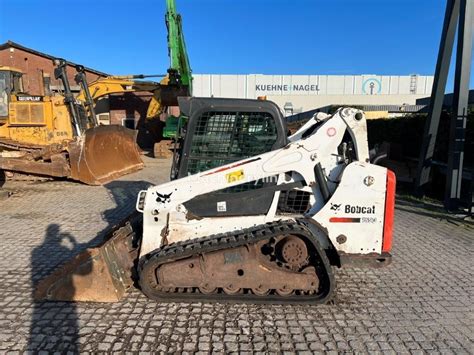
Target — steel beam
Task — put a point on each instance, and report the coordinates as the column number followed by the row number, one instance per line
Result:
column 460, row 106
column 471, row 203
column 437, row 95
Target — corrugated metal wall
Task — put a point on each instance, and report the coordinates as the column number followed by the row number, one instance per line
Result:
column 253, row 85
column 306, row 92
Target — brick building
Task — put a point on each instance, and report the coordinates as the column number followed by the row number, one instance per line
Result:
column 37, row 67
column 127, row 109
column 130, row 110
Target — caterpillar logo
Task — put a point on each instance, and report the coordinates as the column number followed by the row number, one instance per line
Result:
column 359, row 209
column 30, row 98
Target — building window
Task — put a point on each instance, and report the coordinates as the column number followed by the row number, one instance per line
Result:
column 288, row 108
column 3, row 94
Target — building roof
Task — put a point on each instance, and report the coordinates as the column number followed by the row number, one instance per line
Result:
column 395, row 108
column 11, row 44
column 367, row 108
column 448, row 99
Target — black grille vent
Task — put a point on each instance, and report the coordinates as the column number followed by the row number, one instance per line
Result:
column 293, row 201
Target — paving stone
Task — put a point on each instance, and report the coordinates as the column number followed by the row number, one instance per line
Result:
column 421, row 303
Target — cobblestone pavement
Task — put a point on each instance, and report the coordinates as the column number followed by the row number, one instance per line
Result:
column 422, row 302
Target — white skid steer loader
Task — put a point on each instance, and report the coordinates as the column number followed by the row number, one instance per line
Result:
column 267, row 228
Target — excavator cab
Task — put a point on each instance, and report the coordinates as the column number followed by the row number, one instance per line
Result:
column 4, row 80
column 10, row 83
column 26, row 120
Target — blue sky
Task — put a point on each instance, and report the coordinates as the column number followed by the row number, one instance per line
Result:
column 235, row 36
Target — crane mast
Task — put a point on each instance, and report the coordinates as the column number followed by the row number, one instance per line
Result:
column 180, row 69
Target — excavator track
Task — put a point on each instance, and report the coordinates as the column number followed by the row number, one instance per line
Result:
column 279, row 262
column 32, row 155
column 15, row 145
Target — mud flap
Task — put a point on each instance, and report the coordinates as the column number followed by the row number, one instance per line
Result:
column 101, row 274
column 103, row 154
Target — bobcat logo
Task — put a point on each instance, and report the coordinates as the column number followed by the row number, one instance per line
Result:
column 335, row 207
column 163, row 198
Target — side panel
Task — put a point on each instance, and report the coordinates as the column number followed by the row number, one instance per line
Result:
column 38, row 123
column 27, row 114
column 354, row 216
column 60, row 120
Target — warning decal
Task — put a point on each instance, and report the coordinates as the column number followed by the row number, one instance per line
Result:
column 235, row 176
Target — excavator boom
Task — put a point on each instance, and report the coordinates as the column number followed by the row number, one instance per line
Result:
column 179, row 60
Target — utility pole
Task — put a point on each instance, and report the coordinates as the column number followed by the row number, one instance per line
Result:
column 459, row 14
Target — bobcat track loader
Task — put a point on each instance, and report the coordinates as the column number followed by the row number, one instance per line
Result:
column 252, row 216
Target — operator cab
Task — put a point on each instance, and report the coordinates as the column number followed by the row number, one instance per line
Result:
column 10, row 83
column 219, row 131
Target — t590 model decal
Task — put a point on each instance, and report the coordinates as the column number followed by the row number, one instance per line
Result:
column 344, row 220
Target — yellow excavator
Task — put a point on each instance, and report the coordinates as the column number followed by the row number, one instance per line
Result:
column 118, row 84
column 59, row 135
column 54, row 136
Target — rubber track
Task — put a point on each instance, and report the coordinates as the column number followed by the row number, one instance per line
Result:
column 230, row 240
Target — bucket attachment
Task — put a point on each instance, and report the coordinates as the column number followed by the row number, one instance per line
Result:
column 101, row 274
column 103, row 154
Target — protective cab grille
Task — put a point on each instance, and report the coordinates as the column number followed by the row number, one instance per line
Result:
column 224, row 137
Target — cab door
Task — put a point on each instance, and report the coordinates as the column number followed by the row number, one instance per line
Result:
column 4, row 95
column 221, row 131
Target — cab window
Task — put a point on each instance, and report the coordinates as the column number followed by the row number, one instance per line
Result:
column 17, row 84
column 3, row 94
column 224, row 137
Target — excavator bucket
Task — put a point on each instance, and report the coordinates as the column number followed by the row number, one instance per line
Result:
column 101, row 274
column 103, row 154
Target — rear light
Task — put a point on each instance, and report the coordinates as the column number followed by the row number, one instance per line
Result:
column 389, row 211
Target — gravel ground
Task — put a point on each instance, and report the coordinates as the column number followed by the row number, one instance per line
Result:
column 422, row 302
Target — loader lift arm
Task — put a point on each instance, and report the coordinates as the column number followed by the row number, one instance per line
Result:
column 101, row 87
column 164, row 94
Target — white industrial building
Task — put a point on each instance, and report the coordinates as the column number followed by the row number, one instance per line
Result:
column 299, row 93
